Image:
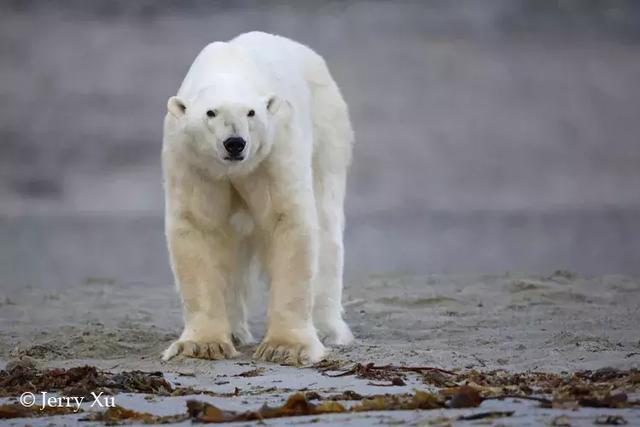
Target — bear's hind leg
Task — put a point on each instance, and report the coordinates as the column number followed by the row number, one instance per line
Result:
column 327, row 286
column 334, row 136
column 242, row 278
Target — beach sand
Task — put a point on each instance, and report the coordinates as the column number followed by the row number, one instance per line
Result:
column 519, row 322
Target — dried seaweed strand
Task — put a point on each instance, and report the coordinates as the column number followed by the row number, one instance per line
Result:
column 359, row 368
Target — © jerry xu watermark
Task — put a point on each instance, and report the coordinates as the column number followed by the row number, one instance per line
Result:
column 48, row 400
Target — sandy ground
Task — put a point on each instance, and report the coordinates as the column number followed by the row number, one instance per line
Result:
column 556, row 322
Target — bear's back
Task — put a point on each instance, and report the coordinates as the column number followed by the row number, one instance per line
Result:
column 284, row 56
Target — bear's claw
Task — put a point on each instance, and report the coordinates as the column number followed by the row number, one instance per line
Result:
column 200, row 350
column 288, row 354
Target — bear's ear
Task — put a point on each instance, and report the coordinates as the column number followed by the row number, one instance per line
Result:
column 279, row 106
column 274, row 102
column 176, row 106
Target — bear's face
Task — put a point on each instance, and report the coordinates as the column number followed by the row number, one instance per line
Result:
column 228, row 123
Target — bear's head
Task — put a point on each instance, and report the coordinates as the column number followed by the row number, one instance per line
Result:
column 229, row 123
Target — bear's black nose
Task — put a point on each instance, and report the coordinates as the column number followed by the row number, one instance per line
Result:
column 234, row 145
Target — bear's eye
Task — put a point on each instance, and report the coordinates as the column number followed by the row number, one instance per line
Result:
column 211, row 113
column 251, row 113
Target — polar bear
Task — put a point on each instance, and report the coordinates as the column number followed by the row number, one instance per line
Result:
column 256, row 147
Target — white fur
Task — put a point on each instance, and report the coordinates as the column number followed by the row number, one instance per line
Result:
column 281, row 205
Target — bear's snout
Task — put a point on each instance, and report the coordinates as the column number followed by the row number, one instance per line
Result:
column 234, row 146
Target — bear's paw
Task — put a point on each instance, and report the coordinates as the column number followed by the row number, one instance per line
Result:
column 335, row 332
column 290, row 349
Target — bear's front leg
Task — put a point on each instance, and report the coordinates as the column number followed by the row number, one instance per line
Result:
column 198, row 258
column 291, row 337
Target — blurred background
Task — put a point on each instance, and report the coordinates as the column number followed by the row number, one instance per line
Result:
column 491, row 135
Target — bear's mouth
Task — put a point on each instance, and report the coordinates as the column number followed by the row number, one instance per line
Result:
column 234, row 158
